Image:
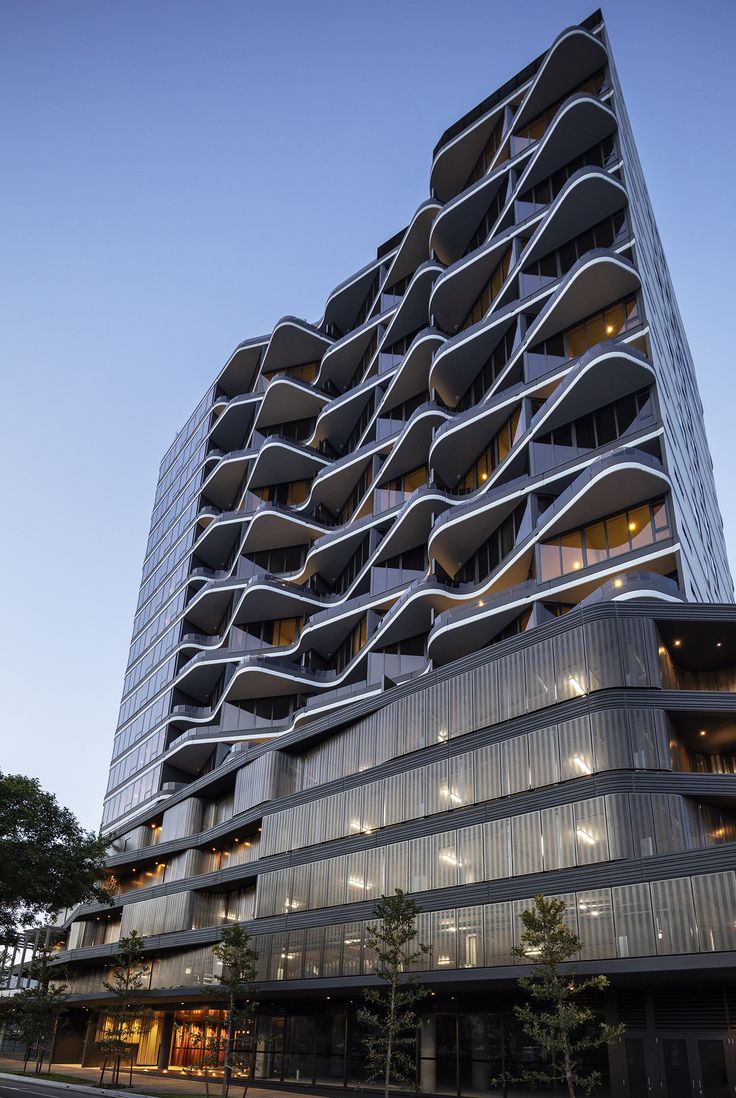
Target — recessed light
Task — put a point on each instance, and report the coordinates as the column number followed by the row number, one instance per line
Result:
column 702, row 732
column 677, row 643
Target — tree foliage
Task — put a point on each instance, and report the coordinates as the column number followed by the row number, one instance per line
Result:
column 554, row 1018
column 35, row 1010
column 47, row 860
column 128, row 1017
column 389, row 1012
column 238, row 959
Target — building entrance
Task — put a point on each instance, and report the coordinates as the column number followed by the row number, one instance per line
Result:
column 679, row 1066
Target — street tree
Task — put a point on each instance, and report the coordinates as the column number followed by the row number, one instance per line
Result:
column 48, row 862
column 389, row 1012
column 35, row 1010
column 238, row 958
column 554, row 1017
column 128, row 1018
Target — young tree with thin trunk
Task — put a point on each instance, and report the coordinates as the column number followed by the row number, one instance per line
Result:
column 554, row 1018
column 128, row 1015
column 36, row 1009
column 389, row 1012
column 238, row 959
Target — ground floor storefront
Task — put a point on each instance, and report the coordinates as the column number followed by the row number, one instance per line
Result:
column 679, row 1042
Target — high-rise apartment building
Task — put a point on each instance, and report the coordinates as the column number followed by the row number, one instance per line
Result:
column 414, row 613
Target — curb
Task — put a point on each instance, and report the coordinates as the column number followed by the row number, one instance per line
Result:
column 88, row 1088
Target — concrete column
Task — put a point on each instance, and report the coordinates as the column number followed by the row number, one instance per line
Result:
column 167, row 1033
column 89, row 1052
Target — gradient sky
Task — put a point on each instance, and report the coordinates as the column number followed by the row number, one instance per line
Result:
column 175, row 176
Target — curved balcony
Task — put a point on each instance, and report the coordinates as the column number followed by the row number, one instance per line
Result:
column 616, row 481
column 575, row 55
column 413, row 309
column 234, row 421
column 412, row 375
column 280, row 460
column 588, row 196
column 341, row 360
column 581, row 122
column 598, row 279
column 457, row 221
column 461, row 630
column 238, row 373
column 286, row 399
column 222, row 484
column 293, row 342
column 339, row 417
column 414, row 246
column 603, row 374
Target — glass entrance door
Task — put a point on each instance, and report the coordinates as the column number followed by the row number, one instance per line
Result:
column 637, row 1073
column 713, row 1071
column 676, row 1064
column 694, row 1067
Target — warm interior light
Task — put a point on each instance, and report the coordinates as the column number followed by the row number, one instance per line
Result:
column 677, row 643
column 719, row 644
column 618, row 583
column 577, row 564
column 702, row 732
column 576, row 686
column 632, row 526
column 609, row 329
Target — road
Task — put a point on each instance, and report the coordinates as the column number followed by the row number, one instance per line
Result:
column 28, row 1087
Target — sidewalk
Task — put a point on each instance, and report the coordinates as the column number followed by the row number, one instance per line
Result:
column 152, row 1082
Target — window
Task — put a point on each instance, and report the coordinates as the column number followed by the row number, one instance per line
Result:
column 541, row 194
column 489, row 292
column 490, row 370
column 557, row 263
column 600, row 541
column 493, row 455
column 536, row 128
column 487, row 153
column 493, row 550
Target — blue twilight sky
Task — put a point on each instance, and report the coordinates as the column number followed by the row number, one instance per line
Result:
column 178, row 174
